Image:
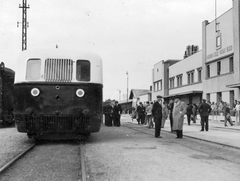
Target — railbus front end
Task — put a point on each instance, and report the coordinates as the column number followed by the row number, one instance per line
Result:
column 58, row 94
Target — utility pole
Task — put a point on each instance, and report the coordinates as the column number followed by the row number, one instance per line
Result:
column 24, row 24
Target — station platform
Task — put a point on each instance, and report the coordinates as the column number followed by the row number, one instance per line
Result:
column 217, row 133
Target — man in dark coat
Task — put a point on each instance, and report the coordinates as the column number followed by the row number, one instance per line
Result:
column 157, row 115
column 141, row 113
column 117, row 111
column 108, row 114
column 204, row 110
column 189, row 113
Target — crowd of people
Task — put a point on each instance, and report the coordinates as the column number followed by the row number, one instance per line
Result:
column 112, row 112
column 155, row 114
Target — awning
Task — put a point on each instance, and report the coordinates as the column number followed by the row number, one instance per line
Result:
column 185, row 93
column 237, row 85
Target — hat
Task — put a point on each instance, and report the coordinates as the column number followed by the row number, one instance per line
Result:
column 159, row 96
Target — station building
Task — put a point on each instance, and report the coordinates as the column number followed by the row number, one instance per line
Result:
column 221, row 67
column 185, row 79
column 160, row 78
column 212, row 73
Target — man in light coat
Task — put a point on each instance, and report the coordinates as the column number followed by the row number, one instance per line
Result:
column 179, row 110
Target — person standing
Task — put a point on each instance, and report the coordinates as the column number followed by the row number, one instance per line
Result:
column 194, row 111
column 170, row 107
column 189, row 113
column 117, row 111
column 204, row 110
column 141, row 113
column 179, row 110
column 228, row 115
column 108, row 114
column 237, row 109
column 157, row 115
column 164, row 114
column 149, row 115
column 145, row 106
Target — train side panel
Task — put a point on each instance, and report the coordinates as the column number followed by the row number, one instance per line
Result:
column 6, row 97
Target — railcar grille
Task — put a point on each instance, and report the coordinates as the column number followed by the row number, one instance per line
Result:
column 56, row 124
column 58, row 70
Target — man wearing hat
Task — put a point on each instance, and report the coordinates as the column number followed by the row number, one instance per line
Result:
column 204, row 110
column 179, row 110
column 157, row 115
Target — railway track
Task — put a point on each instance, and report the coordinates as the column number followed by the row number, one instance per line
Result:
column 84, row 175
column 10, row 163
column 54, row 155
column 196, row 138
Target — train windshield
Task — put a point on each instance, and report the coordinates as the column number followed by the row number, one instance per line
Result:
column 33, row 69
column 83, row 70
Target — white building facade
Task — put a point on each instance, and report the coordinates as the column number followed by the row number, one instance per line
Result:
column 212, row 73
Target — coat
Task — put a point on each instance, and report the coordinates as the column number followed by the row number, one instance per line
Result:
column 141, row 110
column 205, row 109
column 117, row 110
column 179, row 111
column 164, row 112
column 157, row 110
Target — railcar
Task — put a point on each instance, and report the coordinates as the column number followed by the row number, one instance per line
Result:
column 6, row 96
column 58, row 93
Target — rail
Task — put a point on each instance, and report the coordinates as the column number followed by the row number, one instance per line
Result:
column 6, row 166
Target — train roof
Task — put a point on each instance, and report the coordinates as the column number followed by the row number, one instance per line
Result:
column 43, row 54
column 8, row 70
column 58, row 53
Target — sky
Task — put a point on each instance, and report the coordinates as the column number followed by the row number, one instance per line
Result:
column 129, row 35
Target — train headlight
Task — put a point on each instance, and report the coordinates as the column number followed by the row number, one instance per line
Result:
column 35, row 92
column 80, row 93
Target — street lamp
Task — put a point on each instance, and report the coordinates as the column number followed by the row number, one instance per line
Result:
column 127, row 86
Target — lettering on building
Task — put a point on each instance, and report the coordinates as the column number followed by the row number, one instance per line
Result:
column 220, row 52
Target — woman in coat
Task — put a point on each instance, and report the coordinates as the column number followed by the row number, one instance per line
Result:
column 179, row 110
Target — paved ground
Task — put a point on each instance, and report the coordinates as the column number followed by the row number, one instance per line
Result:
column 132, row 153
column 229, row 135
column 12, row 143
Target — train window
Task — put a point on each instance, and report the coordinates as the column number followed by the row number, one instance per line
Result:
column 33, row 69
column 83, row 70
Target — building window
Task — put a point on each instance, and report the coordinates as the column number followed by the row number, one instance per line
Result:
column 179, row 80
column 208, row 97
column 231, row 64
column 219, row 96
column 158, row 85
column 190, row 76
column 218, row 68
column 155, row 86
column 199, row 74
column 171, row 83
column 208, row 71
column 218, row 41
